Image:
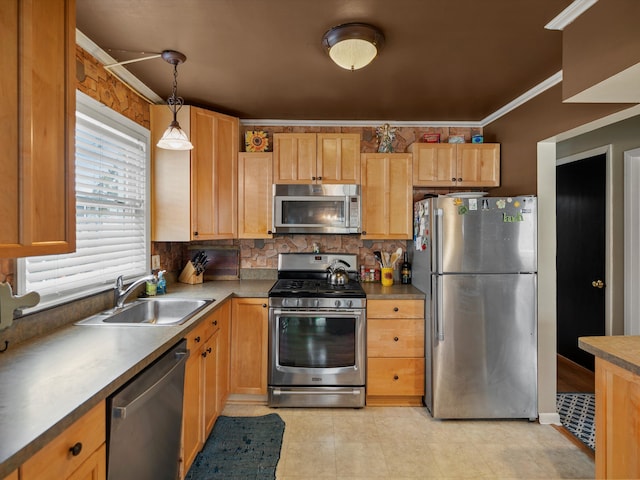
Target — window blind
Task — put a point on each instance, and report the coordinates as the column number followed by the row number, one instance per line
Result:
column 111, row 210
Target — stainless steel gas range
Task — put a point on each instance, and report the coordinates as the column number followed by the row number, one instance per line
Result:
column 317, row 335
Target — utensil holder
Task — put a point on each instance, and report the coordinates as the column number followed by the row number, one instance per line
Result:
column 188, row 275
column 387, row 276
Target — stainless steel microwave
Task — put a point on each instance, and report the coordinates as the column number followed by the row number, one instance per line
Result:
column 316, row 209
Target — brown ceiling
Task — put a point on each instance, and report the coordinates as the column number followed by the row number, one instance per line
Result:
column 445, row 60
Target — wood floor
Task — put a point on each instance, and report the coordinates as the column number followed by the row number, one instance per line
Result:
column 573, row 377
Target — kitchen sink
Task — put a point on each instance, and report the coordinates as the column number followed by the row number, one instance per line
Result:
column 149, row 312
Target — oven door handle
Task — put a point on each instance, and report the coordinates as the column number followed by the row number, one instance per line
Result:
column 310, row 312
column 278, row 391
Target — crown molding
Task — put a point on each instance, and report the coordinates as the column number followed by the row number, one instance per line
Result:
column 569, row 14
column 118, row 70
column 272, row 122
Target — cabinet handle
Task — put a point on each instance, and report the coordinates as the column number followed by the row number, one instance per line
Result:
column 197, row 339
column 264, row 305
column 209, row 350
column 195, row 234
column 459, row 179
column 215, row 322
column 395, row 309
column 269, row 232
column 76, row 449
column 453, row 179
column 364, row 233
column 313, row 178
column 204, row 354
column 395, row 339
column 396, row 377
column 319, row 178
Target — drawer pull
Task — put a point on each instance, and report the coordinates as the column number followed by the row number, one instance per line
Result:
column 396, row 377
column 395, row 339
column 395, row 309
column 215, row 322
column 264, row 305
column 76, row 449
column 197, row 339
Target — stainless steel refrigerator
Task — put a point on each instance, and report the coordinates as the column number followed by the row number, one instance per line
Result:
column 476, row 259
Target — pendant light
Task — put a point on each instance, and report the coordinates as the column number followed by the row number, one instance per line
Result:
column 174, row 138
column 353, row 45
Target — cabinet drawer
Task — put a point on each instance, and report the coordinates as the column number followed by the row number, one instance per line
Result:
column 395, row 309
column 55, row 460
column 197, row 337
column 395, row 376
column 395, row 338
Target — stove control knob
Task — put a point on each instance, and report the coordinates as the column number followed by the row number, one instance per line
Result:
column 337, row 303
column 316, row 302
column 349, row 303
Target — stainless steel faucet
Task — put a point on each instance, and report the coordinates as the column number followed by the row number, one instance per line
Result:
column 120, row 294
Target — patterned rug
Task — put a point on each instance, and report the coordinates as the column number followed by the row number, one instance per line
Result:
column 577, row 414
column 240, row 448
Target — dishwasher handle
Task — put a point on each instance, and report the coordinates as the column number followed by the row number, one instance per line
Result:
column 122, row 411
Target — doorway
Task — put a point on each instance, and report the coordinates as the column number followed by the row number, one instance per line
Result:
column 581, row 253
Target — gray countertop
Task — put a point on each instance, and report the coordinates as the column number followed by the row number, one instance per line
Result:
column 51, row 381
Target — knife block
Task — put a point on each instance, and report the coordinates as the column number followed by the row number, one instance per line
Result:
column 188, row 275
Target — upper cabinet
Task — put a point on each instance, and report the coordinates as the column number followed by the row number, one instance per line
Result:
column 255, row 205
column 37, row 199
column 194, row 193
column 456, row 165
column 387, row 196
column 316, row 158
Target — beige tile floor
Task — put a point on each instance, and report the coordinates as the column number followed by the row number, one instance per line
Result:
column 406, row 443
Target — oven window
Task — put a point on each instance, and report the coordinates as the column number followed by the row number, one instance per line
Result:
column 313, row 212
column 317, row 342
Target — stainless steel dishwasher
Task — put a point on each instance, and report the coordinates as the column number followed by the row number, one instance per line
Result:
column 146, row 420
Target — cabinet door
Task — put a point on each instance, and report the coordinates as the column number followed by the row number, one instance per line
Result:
column 294, row 158
column 37, row 199
column 434, row 164
column 338, row 158
column 209, row 384
column 192, row 429
column 213, row 175
column 54, row 461
column 255, row 191
column 249, row 346
column 387, row 201
column 223, row 316
column 617, row 421
column 93, row 468
column 478, row 165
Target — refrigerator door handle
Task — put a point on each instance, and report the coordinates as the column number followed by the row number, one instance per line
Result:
column 438, row 295
column 437, row 247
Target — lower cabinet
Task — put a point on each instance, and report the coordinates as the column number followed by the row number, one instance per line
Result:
column 617, row 421
column 78, row 453
column 206, row 383
column 395, row 352
column 249, row 345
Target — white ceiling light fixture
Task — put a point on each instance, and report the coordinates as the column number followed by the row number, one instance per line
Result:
column 353, row 45
column 174, row 138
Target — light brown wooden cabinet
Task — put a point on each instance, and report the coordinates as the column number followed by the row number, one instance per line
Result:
column 206, row 384
column 77, row 453
column 617, row 421
column 255, row 192
column 194, row 193
column 306, row 158
column 456, row 165
column 395, row 352
column 37, row 199
column 12, row 476
column 249, row 331
column 387, row 196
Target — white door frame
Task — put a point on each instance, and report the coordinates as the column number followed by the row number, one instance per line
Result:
column 632, row 242
column 608, row 239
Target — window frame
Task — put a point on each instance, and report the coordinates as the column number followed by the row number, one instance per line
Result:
column 115, row 120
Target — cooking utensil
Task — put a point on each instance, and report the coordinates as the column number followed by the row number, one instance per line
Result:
column 395, row 256
column 337, row 274
column 386, row 260
column 378, row 256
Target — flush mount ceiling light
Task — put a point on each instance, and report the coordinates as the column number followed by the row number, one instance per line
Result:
column 174, row 137
column 353, row 45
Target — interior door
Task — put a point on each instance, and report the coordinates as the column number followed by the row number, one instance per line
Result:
column 581, row 228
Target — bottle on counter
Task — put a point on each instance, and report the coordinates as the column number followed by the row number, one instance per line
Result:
column 405, row 270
